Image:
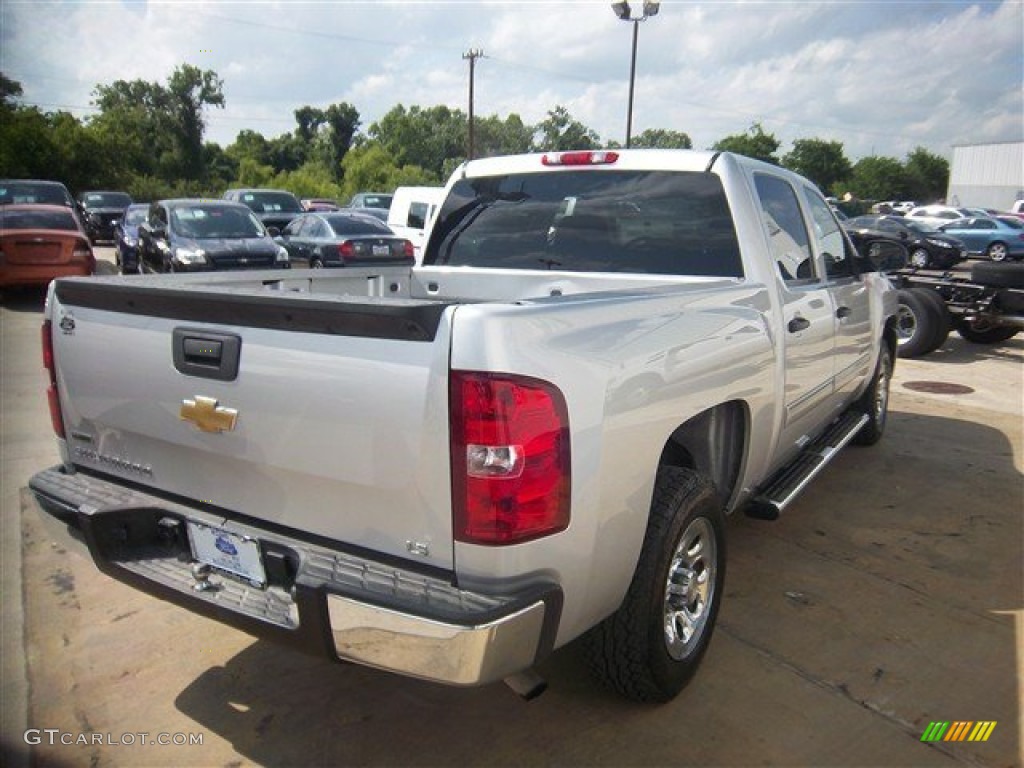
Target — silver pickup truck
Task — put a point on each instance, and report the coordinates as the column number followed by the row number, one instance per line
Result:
column 450, row 470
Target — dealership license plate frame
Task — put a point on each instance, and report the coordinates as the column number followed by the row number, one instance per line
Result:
column 212, row 546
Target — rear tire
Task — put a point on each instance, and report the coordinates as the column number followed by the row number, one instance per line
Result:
column 983, row 332
column 998, row 252
column 918, row 324
column 650, row 648
column 920, row 258
column 943, row 320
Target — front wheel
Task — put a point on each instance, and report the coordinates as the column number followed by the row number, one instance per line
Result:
column 875, row 400
column 998, row 252
column 650, row 648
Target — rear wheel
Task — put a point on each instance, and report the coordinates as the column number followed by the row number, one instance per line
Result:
column 919, row 258
column 918, row 324
column 998, row 252
column 983, row 332
column 943, row 320
column 650, row 648
column 316, row 263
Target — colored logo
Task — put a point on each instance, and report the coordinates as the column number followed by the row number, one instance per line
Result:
column 960, row 730
column 225, row 546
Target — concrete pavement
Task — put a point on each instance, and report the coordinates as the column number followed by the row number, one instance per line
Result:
column 889, row 596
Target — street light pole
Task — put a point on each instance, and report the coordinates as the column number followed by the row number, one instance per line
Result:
column 624, row 12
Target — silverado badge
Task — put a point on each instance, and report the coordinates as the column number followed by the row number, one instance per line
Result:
column 208, row 415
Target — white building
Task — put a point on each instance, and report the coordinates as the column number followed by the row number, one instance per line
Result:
column 987, row 175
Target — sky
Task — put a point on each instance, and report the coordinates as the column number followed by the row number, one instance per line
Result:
column 881, row 77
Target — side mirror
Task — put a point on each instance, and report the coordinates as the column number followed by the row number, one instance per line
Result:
column 883, row 255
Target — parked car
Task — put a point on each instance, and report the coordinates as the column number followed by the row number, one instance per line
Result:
column 35, row 191
column 381, row 214
column 41, row 242
column 937, row 215
column 273, row 207
column 370, row 200
column 997, row 237
column 198, row 235
column 341, row 239
column 929, row 248
column 101, row 211
column 126, row 237
column 319, row 204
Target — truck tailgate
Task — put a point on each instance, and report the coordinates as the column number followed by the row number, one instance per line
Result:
column 335, row 422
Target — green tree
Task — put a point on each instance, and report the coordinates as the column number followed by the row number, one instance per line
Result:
column 879, row 178
column 190, row 90
column 422, row 137
column 494, row 136
column 754, row 143
column 10, row 92
column 927, row 175
column 823, row 162
column 342, row 122
column 660, row 138
column 371, row 167
column 559, row 132
column 159, row 129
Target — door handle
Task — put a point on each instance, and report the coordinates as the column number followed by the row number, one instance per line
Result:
column 798, row 324
column 843, row 312
column 207, row 355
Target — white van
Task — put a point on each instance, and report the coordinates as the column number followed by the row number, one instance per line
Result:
column 412, row 210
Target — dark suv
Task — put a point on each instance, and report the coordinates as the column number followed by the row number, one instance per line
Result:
column 274, row 207
column 101, row 211
column 200, row 234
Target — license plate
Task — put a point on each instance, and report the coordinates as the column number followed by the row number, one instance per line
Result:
column 382, row 250
column 228, row 552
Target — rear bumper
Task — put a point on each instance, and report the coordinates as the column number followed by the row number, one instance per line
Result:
column 324, row 599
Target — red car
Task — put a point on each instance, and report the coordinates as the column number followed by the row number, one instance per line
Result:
column 41, row 242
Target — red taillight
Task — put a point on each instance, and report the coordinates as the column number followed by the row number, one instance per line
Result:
column 510, row 458
column 346, row 250
column 52, row 397
column 599, row 157
column 409, row 250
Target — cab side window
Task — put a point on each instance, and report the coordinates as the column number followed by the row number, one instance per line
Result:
column 834, row 247
column 784, row 223
column 417, row 215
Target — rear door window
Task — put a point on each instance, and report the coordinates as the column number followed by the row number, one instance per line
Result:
column 784, row 223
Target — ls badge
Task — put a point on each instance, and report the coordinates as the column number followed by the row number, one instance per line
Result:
column 206, row 414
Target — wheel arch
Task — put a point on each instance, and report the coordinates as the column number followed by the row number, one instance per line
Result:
column 714, row 444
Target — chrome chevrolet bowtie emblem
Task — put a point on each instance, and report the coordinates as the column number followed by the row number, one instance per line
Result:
column 206, row 414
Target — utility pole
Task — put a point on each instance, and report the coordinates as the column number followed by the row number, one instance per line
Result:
column 472, row 55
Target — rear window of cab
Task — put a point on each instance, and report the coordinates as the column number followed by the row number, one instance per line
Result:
column 646, row 222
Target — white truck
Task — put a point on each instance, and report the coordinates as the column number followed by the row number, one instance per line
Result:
column 450, row 470
column 411, row 212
